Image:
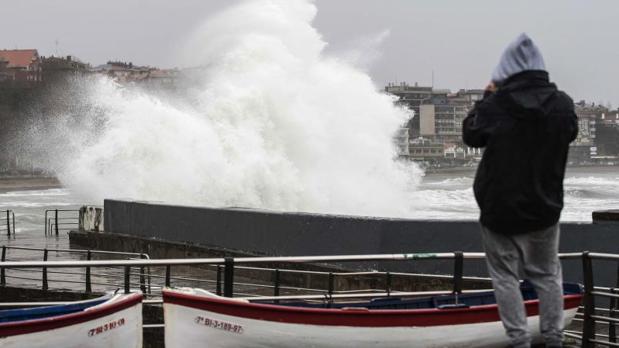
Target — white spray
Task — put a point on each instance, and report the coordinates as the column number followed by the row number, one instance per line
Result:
column 274, row 124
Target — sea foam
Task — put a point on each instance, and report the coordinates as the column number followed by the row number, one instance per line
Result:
column 270, row 122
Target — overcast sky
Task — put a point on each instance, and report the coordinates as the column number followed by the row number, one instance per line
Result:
column 460, row 40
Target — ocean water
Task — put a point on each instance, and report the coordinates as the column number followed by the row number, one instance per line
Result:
column 444, row 196
column 29, row 207
column 450, row 195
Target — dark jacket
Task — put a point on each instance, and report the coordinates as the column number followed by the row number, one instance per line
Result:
column 526, row 128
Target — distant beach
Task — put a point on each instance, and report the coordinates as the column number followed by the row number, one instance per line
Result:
column 21, row 183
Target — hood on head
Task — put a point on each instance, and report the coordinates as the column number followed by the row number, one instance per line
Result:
column 520, row 55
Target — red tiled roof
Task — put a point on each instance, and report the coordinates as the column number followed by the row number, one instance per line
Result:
column 19, row 58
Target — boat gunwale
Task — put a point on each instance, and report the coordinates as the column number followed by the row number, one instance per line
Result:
column 350, row 316
column 54, row 322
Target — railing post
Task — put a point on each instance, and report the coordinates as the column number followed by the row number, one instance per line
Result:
column 331, row 289
column 13, row 215
column 218, row 284
column 56, row 219
column 612, row 334
column 45, row 285
column 148, row 272
column 228, row 277
column 388, row 283
column 127, row 279
column 612, row 327
column 276, row 285
column 2, row 272
column 458, row 272
column 46, row 223
column 588, row 329
column 8, row 223
column 88, row 283
column 168, row 270
column 142, row 276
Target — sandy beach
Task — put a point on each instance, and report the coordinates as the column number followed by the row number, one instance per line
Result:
column 27, row 183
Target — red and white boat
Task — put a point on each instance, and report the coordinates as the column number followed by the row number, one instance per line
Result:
column 195, row 317
column 114, row 320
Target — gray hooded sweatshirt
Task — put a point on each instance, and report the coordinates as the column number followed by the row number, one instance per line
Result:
column 521, row 55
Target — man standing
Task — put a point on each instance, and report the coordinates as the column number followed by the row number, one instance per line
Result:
column 525, row 124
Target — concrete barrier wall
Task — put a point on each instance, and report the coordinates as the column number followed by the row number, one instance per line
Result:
column 276, row 233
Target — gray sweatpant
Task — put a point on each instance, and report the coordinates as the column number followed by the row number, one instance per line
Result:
column 534, row 257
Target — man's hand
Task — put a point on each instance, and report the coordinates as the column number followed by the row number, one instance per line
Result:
column 491, row 87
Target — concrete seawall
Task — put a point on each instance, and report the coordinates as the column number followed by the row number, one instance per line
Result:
column 276, row 233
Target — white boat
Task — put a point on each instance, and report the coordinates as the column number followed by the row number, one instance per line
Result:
column 114, row 320
column 197, row 318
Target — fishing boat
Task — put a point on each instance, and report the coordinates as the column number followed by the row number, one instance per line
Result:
column 114, row 320
column 195, row 317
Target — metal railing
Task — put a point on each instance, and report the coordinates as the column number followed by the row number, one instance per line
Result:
column 57, row 220
column 224, row 268
column 591, row 316
column 145, row 280
column 7, row 222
